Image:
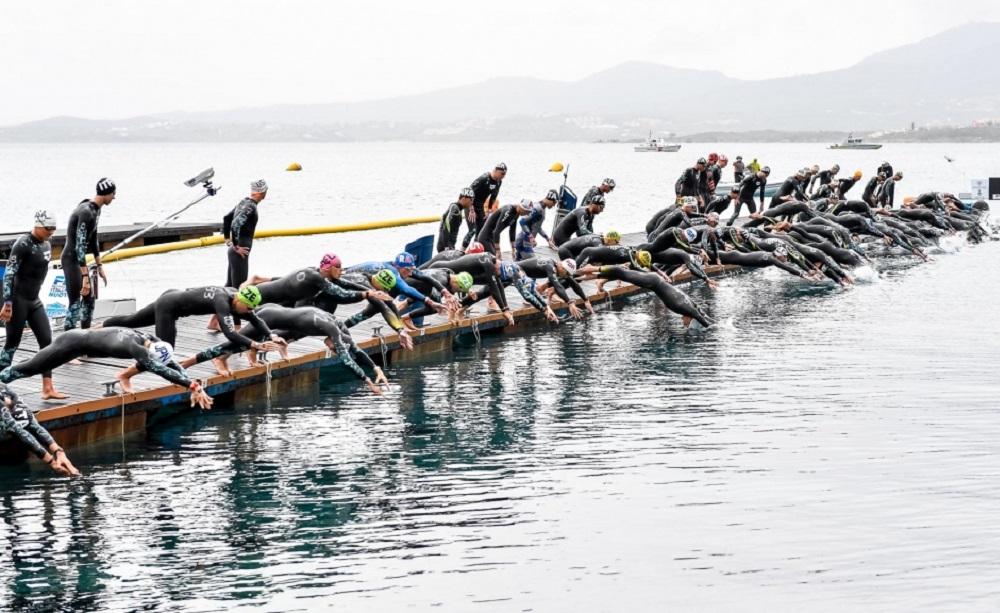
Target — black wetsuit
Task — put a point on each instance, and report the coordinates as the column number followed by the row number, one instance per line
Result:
column 790, row 187
column 825, row 177
column 542, row 267
column 574, row 246
column 296, row 323
column 81, row 237
column 853, row 206
column 432, row 283
column 485, row 189
column 238, row 227
column 870, row 191
column 672, row 237
column 885, row 170
column 305, row 284
column 669, row 259
column 658, row 217
column 175, row 303
column 759, row 259
column 748, row 187
column 18, row 421
column 27, row 267
column 719, row 205
column 579, row 221
column 106, row 342
column 845, row 185
column 601, row 254
column 673, row 298
column 786, row 209
column 451, row 223
column 505, row 217
column 887, row 197
column 675, row 219
column 445, row 256
column 523, row 285
column 482, row 267
column 689, row 183
column 592, row 193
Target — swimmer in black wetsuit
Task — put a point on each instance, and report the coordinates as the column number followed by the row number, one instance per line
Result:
column 684, row 216
column 579, row 221
column 791, row 189
column 18, row 421
column 504, row 218
column 721, row 203
column 511, row 274
column 484, row 269
column 150, row 353
column 27, row 266
column 673, row 298
column 451, row 221
column 223, row 302
column 293, row 324
column 754, row 183
column 557, row 274
column 486, row 190
column 574, row 246
column 434, row 283
column 81, row 237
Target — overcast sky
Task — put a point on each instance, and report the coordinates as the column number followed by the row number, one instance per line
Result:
column 119, row 58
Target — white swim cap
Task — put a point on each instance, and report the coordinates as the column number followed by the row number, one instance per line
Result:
column 161, row 351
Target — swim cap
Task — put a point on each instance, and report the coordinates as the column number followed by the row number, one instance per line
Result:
column 609, row 182
column 44, row 219
column 258, row 187
column 463, row 281
column 475, row 247
column 701, row 161
column 249, row 296
column 405, row 260
column 781, row 251
column 766, row 170
column 160, row 352
column 713, row 216
column 723, row 159
column 570, row 265
column 329, row 260
column 644, row 258
column 690, row 234
column 612, row 235
column 552, row 195
column 500, row 166
column 713, row 158
column 466, row 193
column 835, row 168
column 689, row 200
column 857, row 175
column 508, row 270
column 598, row 199
column 384, row 279
column 105, row 186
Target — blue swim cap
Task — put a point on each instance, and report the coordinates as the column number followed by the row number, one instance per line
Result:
column 405, row 260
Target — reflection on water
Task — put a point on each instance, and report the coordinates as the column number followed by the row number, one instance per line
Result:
column 826, row 448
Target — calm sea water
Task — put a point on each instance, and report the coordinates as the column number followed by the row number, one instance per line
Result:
column 821, row 449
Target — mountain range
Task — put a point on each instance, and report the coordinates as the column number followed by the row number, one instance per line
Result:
column 951, row 78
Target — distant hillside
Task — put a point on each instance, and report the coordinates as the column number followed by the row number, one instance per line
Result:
column 951, row 78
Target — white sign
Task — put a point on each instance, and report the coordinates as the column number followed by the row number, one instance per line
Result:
column 980, row 189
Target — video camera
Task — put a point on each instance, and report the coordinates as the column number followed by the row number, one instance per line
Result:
column 205, row 178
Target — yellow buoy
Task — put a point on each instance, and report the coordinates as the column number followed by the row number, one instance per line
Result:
column 294, row 166
column 557, row 167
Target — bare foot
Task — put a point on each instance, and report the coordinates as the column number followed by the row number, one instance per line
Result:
column 222, row 367
column 75, row 363
column 687, row 319
column 125, row 382
column 213, row 324
column 53, row 394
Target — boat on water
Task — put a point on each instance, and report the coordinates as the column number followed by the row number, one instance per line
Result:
column 657, row 145
column 855, row 142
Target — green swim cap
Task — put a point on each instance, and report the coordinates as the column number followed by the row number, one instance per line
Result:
column 384, row 280
column 249, row 296
column 464, row 281
column 613, row 235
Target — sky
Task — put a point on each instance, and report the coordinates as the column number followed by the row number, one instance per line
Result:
column 121, row 58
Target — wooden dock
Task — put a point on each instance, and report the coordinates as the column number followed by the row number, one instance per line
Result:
column 89, row 415
column 112, row 235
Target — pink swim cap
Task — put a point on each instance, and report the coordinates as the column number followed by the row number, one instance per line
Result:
column 329, row 260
